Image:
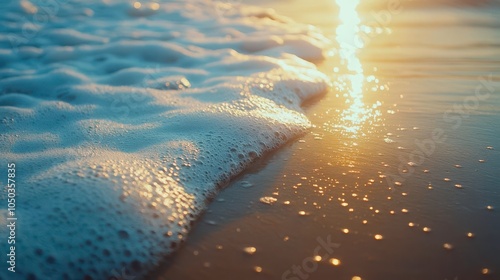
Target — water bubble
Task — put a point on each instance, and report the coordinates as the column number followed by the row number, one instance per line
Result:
column 250, row 250
column 345, row 230
column 490, row 148
column 356, row 278
column 317, row 258
column 268, row 200
column 470, row 235
column 258, row 269
column 155, row 6
column 447, row 246
column 410, row 224
column 482, row 161
column 489, row 207
column 378, row 237
column 427, row 229
column 485, row 271
column 304, row 213
column 447, row 179
column 458, row 186
column 334, row 261
column 458, row 166
column 123, row 234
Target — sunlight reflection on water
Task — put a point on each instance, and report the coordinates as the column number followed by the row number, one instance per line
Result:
column 351, row 79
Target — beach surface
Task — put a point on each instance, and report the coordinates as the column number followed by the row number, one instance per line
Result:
column 120, row 120
column 334, row 140
column 399, row 174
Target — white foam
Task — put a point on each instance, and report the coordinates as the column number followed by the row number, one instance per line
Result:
column 123, row 121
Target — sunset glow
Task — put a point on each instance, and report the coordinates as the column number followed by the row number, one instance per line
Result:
column 351, row 80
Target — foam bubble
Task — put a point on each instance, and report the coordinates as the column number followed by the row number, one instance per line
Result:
column 125, row 120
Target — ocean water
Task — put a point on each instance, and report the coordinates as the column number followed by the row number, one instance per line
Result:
column 123, row 118
column 399, row 175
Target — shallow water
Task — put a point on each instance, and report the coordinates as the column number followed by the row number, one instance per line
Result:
column 396, row 201
column 122, row 118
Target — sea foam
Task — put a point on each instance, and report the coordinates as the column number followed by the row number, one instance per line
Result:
column 122, row 121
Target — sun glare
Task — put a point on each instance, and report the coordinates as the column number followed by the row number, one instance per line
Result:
column 351, row 79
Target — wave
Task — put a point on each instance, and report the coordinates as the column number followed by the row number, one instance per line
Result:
column 124, row 118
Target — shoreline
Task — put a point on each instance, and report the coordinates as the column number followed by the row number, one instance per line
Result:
column 378, row 163
column 332, row 183
column 120, row 154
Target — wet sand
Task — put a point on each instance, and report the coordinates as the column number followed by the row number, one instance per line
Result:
column 399, row 176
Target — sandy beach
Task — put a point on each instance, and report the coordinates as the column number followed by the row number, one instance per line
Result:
column 359, row 178
column 282, row 139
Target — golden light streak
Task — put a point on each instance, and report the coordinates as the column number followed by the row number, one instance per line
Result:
column 351, row 77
